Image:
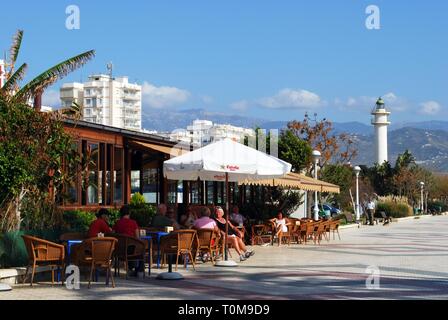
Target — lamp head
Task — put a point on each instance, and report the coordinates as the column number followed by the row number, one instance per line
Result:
column 316, row 155
column 357, row 170
column 422, row 184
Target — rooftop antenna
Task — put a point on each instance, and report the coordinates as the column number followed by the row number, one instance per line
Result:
column 110, row 68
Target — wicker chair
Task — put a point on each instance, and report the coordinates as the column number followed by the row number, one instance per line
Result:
column 260, row 233
column 179, row 243
column 97, row 253
column 208, row 241
column 284, row 236
column 43, row 253
column 129, row 249
column 319, row 231
column 334, row 226
column 307, row 231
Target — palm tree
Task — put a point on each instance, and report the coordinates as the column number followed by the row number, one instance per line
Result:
column 35, row 88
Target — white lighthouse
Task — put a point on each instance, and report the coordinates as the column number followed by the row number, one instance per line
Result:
column 380, row 121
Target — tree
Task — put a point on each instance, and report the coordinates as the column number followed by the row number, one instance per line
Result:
column 35, row 88
column 319, row 134
column 343, row 176
column 33, row 145
column 294, row 150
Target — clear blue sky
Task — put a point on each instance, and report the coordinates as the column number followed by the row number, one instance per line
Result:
column 268, row 59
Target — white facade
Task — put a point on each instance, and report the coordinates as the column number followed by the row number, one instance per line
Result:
column 203, row 132
column 380, row 121
column 2, row 73
column 106, row 100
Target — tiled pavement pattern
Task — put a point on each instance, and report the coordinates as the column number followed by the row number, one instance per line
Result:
column 412, row 257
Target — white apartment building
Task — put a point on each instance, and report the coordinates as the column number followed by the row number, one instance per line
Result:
column 106, row 100
column 203, row 132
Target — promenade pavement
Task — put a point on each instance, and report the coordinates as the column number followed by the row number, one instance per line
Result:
column 410, row 256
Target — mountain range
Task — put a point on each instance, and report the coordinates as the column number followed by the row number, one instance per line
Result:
column 427, row 141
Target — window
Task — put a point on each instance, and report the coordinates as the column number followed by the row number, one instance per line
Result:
column 151, row 185
column 93, row 178
column 118, row 175
column 210, row 186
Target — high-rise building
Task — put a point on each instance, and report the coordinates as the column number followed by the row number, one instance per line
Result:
column 380, row 121
column 106, row 100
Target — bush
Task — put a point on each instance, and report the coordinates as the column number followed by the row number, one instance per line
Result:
column 78, row 220
column 12, row 250
column 436, row 206
column 143, row 214
column 394, row 209
column 137, row 200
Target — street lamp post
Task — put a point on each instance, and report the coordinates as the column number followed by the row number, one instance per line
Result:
column 316, row 156
column 422, row 204
column 357, row 211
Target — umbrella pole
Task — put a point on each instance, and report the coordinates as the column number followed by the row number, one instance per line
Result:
column 226, row 254
column 226, row 262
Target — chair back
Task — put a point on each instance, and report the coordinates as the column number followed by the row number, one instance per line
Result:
column 205, row 237
column 101, row 249
column 128, row 245
column 43, row 250
column 185, row 239
column 334, row 225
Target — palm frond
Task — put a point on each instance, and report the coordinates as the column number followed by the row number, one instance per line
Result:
column 15, row 49
column 13, row 82
column 50, row 76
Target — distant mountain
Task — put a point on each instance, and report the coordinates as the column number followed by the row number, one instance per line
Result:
column 429, row 147
column 169, row 120
column 428, row 141
column 427, row 125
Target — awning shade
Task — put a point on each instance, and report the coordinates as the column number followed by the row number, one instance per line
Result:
column 297, row 181
column 173, row 151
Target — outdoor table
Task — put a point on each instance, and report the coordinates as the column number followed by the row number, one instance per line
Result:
column 149, row 239
column 158, row 235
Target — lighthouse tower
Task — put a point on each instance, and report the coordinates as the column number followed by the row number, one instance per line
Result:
column 380, row 121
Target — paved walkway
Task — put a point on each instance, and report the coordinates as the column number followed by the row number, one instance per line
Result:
column 412, row 258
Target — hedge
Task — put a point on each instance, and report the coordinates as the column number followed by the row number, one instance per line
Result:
column 394, row 209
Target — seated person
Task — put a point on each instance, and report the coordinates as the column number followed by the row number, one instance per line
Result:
column 126, row 225
column 100, row 225
column 280, row 224
column 236, row 217
column 234, row 236
column 188, row 219
column 160, row 220
column 205, row 222
column 172, row 216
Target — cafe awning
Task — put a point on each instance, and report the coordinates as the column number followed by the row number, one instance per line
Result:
column 173, row 151
column 296, row 181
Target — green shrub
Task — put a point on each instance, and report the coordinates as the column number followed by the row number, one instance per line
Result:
column 114, row 216
column 394, row 209
column 78, row 220
column 143, row 214
column 137, row 200
column 436, row 206
column 12, row 250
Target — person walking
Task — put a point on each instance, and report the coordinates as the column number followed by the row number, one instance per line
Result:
column 371, row 210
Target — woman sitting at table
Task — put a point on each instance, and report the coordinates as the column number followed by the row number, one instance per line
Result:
column 234, row 236
column 188, row 219
column 126, row 225
column 280, row 224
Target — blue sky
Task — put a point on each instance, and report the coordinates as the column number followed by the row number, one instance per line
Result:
column 266, row 59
